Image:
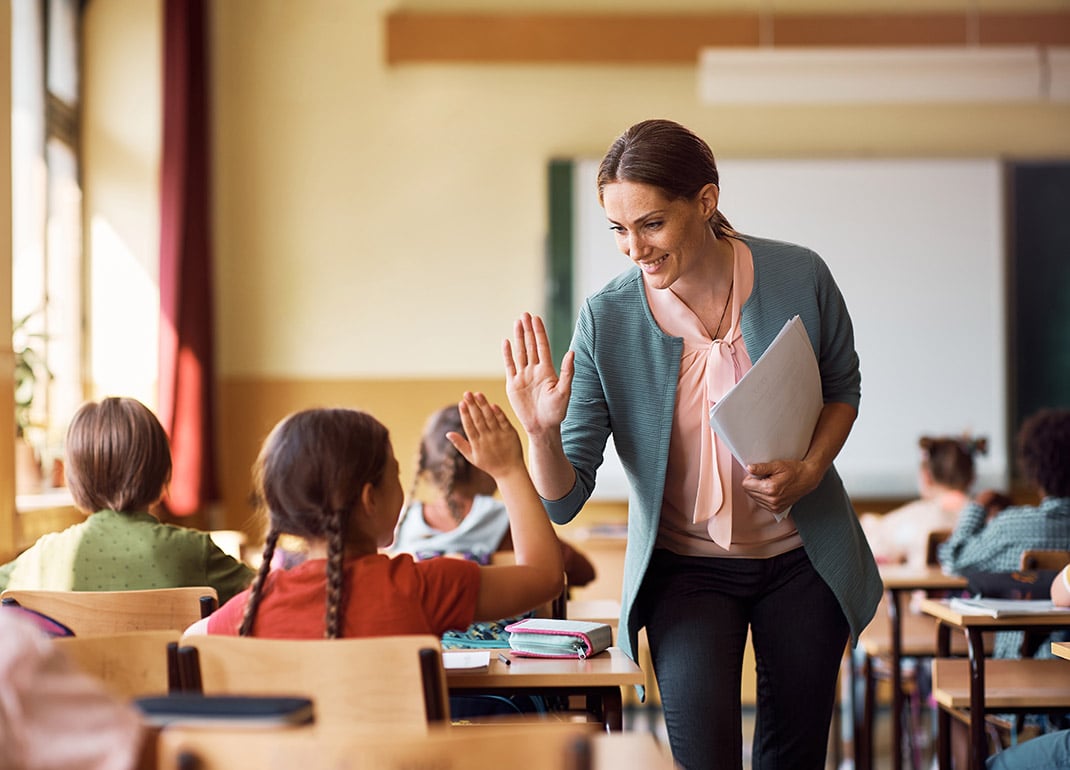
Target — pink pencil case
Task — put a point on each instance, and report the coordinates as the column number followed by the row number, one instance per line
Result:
column 553, row 638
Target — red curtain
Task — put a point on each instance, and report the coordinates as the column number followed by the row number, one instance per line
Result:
column 186, row 322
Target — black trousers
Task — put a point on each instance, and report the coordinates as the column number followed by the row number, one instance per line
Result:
column 697, row 613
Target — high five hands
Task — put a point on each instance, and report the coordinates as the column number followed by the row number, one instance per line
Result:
column 539, row 396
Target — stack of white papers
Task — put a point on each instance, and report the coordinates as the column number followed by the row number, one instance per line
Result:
column 771, row 413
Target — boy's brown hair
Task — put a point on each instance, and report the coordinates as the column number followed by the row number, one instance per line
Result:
column 118, row 456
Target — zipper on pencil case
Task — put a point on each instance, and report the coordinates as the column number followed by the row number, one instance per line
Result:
column 530, row 643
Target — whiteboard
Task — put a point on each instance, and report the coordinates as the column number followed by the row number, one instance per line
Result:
column 917, row 248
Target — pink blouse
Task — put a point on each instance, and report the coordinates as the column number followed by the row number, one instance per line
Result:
column 705, row 511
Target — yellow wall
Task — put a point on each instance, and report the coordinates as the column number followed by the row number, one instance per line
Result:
column 378, row 229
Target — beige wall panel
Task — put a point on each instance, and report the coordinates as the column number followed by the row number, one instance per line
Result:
column 249, row 408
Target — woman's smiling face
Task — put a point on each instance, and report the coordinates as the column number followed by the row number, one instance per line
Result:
column 663, row 236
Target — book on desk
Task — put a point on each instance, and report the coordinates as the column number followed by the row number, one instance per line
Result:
column 1003, row 608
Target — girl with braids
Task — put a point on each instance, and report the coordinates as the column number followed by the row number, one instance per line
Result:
column 329, row 476
column 458, row 514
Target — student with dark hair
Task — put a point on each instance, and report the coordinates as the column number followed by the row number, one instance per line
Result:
column 118, row 466
column 329, row 476
column 452, row 509
column 715, row 549
column 945, row 475
column 995, row 545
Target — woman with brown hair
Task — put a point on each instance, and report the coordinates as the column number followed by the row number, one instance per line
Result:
column 715, row 549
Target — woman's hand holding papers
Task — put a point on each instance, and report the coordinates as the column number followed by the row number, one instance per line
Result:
column 778, row 485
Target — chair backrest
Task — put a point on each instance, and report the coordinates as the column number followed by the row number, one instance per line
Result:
column 1036, row 558
column 366, row 684
column 532, row 746
column 129, row 664
column 112, row 612
column 936, row 537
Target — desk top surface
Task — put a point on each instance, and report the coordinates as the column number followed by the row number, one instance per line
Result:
column 941, row 609
column 611, row 668
column 1061, row 649
column 901, row 576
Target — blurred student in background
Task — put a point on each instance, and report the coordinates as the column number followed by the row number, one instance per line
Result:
column 995, row 544
column 458, row 514
column 945, row 476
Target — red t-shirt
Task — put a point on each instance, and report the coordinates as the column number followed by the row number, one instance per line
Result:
column 384, row 596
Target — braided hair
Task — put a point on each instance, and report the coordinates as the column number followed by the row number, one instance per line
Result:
column 438, row 460
column 308, row 480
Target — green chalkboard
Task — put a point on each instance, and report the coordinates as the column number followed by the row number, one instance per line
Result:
column 1038, row 287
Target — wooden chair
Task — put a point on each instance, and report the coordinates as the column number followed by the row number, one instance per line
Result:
column 1044, row 559
column 129, row 664
column 366, row 684
column 109, row 612
column 521, row 747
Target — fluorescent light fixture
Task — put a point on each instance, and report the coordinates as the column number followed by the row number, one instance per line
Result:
column 953, row 74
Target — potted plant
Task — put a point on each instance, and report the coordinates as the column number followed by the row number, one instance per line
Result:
column 30, row 369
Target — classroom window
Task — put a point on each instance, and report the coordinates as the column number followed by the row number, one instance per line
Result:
column 47, row 264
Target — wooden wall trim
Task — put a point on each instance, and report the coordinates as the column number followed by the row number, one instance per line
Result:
column 414, row 37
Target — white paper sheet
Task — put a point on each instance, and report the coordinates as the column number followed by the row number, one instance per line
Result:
column 770, row 414
column 465, row 659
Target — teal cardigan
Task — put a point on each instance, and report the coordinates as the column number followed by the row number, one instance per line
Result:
column 626, row 372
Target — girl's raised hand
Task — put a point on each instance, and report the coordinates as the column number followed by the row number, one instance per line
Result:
column 536, row 392
column 492, row 443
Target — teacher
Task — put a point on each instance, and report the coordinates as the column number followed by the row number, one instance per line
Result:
column 707, row 560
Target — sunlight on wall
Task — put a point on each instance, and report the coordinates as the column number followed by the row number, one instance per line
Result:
column 124, row 309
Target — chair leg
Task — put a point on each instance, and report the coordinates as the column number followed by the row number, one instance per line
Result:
column 864, row 739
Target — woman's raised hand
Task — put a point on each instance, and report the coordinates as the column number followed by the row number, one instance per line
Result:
column 539, row 397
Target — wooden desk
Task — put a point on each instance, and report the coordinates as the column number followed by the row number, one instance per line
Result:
column 1061, row 649
column 899, row 581
column 1048, row 686
column 599, row 678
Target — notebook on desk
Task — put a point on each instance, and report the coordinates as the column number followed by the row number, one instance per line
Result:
column 1003, row 608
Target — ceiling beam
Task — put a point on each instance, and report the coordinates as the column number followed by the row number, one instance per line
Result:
column 415, row 37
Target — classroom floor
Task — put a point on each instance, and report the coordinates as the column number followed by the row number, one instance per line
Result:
column 649, row 718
